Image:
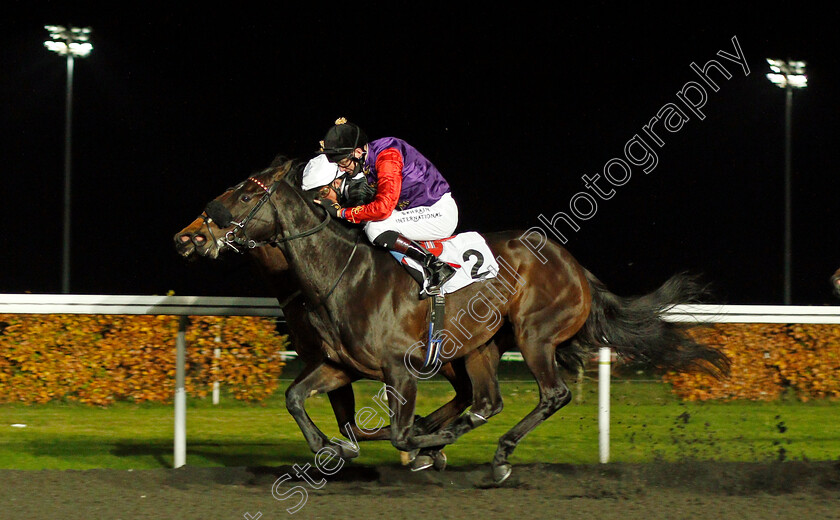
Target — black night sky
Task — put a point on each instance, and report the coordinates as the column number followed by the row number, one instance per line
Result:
column 513, row 105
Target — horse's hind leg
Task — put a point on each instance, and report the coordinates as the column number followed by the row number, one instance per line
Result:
column 554, row 394
column 479, row 371
column 481, row 366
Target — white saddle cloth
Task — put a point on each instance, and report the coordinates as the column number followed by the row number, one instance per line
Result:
column 468, row 253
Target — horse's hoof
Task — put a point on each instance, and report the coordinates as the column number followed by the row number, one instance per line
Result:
column 501, row 473
column 440, row 460
column 407, row 456
column 345, row 453
column 421, row 462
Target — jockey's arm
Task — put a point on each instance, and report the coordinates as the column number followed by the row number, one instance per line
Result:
column 389, row 166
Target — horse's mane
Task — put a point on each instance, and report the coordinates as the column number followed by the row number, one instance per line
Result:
column 291, row 170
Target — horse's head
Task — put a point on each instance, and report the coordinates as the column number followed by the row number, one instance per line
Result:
column 835, row 282
column 243, row 217
column 239, row 219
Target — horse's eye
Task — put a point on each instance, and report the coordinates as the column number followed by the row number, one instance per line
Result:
column 245, row 198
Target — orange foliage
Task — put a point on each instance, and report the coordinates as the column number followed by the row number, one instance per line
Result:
column 102, row 359
column 767, row 359
column 811, row 362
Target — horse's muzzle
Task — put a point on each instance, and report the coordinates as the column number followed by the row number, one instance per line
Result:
column 191, row 244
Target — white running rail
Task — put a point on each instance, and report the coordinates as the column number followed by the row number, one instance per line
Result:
column 226, row 306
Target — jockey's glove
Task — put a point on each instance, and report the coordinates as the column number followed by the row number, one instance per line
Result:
column 333, row 208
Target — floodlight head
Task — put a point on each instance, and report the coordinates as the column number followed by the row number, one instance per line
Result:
column 73, row 41
column 778, row 79
column 798, row 81
column 787, row 74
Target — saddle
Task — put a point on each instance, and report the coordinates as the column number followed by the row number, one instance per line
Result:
column 467, row 252
column 473, row 261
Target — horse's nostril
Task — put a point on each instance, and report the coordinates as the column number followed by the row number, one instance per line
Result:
column 184, row 238
column 200, row 239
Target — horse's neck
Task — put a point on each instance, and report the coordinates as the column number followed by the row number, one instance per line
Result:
column 320, row 260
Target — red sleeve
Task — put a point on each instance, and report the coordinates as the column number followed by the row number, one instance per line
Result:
column 389, row 166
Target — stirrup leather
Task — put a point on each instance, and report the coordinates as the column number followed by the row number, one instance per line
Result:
column 437, row 308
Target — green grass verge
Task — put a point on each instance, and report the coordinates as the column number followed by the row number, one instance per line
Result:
column 647, row 424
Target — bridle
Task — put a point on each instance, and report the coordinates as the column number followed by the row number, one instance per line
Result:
column 215, row 211
column 238, row 236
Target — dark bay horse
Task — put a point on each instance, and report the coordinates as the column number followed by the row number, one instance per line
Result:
column 313, row 341
column 546, row 305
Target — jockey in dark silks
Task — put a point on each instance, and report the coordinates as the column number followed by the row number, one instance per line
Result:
column 410, row 203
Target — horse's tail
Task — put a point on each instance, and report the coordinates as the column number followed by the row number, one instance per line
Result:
column 636, row 330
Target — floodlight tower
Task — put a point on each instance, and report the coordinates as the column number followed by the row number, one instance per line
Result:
column 71, row 42
column 788, row 75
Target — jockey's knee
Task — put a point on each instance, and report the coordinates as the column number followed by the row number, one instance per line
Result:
column 385, row 239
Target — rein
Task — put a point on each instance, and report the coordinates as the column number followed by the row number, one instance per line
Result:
column 346, row 265
column 232, row 238
column 314, row 230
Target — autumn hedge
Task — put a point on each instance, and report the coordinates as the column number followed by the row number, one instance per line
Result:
column 767, row 360
column 102, row 359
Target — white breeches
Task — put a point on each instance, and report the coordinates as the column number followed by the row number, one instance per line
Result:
column 421, row 223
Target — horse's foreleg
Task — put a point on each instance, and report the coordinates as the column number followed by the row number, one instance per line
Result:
column 401, row 390
column 456, row 373
column 318, row 378
column 343, row 403
column 480, row 367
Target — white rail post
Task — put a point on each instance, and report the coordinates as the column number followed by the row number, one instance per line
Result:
column 604, row 360
column 217, row 354
column 180, row 455
column 581, row 374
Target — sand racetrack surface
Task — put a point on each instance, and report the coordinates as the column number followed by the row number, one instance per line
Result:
column 707, row 490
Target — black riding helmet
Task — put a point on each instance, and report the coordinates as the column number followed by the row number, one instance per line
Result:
column 341, row 140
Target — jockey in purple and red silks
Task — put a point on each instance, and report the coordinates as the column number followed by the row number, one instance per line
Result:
column 412, row 202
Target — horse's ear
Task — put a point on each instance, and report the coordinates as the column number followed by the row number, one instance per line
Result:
column 279, row 160
column 281, row 172
column 292, row 170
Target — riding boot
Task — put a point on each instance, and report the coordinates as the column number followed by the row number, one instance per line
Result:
column 437, row 271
